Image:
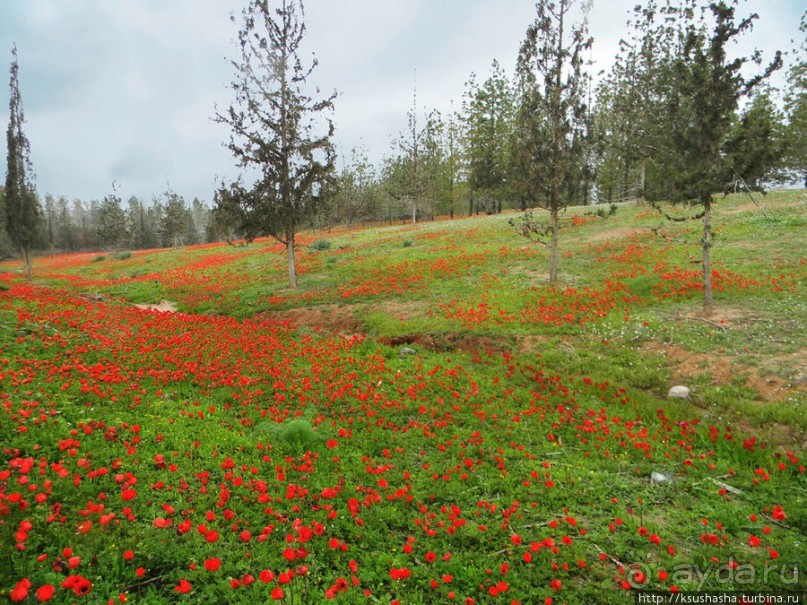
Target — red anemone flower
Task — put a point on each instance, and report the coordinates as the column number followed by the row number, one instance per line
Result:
column 45, row 593
column 212, row 564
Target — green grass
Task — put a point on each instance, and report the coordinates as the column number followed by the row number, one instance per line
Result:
column 522, row 413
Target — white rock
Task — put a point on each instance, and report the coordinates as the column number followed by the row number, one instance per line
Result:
column 679, row 392
column 656, row 478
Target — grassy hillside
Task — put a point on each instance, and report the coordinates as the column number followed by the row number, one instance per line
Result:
column 425, row 419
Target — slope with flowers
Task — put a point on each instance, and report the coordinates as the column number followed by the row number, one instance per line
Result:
column 279, row 445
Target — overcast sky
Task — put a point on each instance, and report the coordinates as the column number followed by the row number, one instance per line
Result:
column 125, row 90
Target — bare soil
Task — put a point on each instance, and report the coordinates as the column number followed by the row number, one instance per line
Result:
column 468, row 343
column 340, row 319
column 723, row 369
column 614, row 233
column 163, row 305
column 346, row 319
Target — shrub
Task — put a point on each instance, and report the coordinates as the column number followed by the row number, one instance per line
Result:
column 295, row 435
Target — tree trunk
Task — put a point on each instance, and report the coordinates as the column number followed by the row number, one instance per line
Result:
column 642, row 182
column 26, row 262
column 706, row 242
column 553, row 247
column 290, row 252
column 451, row 196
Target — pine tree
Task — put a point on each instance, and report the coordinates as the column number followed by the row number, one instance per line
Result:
column 796, row 107
column 706, row 86
column 174, row 227
column 629, row 133
column 111, row 228
column 23, row 212
column 453, row 165
column 755, row 145
column 552, row 113
column 6, row 247
column 65, row 228
column 418, row 146
column 488, row 114
column 274, row 126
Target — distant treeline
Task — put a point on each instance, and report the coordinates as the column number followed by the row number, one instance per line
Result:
column 110, row 224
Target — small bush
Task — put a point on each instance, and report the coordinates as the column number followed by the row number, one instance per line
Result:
column 295, row 435
column 408, row 243
column 321, row 244
column 99, row 258
column 611, row 211
column 122, row 255
column 601, row 212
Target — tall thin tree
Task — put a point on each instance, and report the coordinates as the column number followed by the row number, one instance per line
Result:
column 796, row 107
column 706, row 88
column 278, row 129
column 452, row 142
column 23, row 212
column 552, row 113
column 415, row 144
column 488, row 125
column 629, row 103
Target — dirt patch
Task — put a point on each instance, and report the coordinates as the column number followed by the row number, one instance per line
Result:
column 346, row 318
column 467, row 343
column 536, row 276
column 723, row 316
column 403, row 311
column 533, row 343
column 614, row 233
column 748, row 206
column 163, row 305
column 341, row 319
column 686, row 365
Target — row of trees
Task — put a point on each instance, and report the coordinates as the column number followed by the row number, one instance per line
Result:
column 477, row 158
column 109, row 224
column 667, row 123
column 676, row 118
column 62, row 225
column 623, row 139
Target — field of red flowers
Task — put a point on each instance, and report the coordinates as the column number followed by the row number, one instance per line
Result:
column 226, row 453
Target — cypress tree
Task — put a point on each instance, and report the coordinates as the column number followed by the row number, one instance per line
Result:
column 23, row 213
